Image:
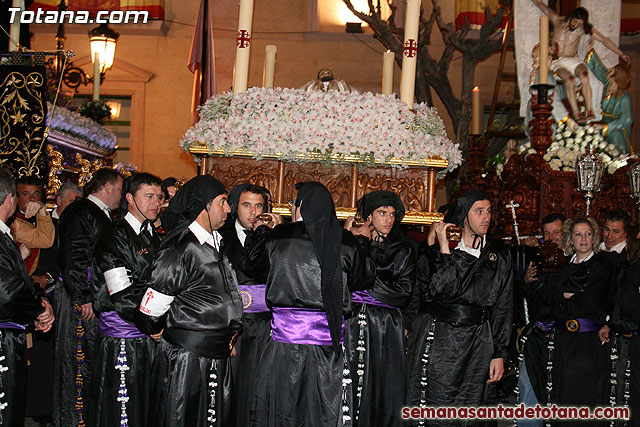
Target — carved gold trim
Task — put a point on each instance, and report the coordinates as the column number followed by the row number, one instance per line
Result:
column 433, row 162
column 419, row 218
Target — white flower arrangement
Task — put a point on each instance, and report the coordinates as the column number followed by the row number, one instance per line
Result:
column 288, row 122
column 568, row 146
column 69, row 122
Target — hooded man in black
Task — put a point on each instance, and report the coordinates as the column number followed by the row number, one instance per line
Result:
column 240, row 233
column 313, row 266
column 461, row 334
column 193, row 296
column 374, row 338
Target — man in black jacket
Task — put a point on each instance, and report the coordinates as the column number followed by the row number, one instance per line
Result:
column 20, row 305
column 123, row 261
column 81, row 226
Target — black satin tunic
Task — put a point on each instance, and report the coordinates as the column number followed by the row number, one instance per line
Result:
column 19, row 300
column 135, row 252
column 458, row 363
column 384, row 377
column 294, row 280
column 207, row 310
column 81, row 227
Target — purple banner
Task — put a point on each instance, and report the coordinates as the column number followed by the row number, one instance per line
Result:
column 364, row 297
column 12, row 325
column 301, row 326
column 253, row 298
column 112, row 325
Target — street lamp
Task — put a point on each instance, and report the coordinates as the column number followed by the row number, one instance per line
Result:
column 103, row 43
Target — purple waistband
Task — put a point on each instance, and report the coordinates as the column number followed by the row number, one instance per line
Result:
column 112, row 325
column 581, row 325
column 253, row 298
column 545, row 326
column 364, row 297
column 12, row 325
column 301, row 326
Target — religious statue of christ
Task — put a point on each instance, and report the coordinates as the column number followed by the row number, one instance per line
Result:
column 568, row 33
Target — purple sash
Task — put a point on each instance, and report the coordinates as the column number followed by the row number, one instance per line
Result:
column 301, row 326
column 545, row 326
column 12, row 325
column 364, row 297
column 112, row 325
column 581, row 325
column 253, row 298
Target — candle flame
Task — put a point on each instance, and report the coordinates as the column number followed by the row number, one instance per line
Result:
column 476, row 89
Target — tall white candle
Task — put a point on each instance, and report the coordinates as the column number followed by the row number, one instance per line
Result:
column 15, row 25
column 269, row 65
column 96, row 77
column 387, row 72
column 410, row 52
column 475, row 112
column 243, row 47
column 544, row 49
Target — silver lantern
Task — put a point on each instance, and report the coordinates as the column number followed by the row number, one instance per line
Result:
column 634, row 180
column 589, row 170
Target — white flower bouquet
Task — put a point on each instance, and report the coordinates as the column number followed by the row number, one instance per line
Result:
column 69, row 122
column 569, row 145
column 289, row 122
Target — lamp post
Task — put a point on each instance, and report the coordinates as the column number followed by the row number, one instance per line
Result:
column 589, row 169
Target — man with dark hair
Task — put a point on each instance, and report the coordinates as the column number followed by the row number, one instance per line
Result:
column 193, row 296
column 83, row 223
column 374, row 338
column 615, row 229
column 313, row 265
column 123, row 261
column 20, row 305
column 532, row 375
column 169, row 185
column 239, row 235
column 461, row 335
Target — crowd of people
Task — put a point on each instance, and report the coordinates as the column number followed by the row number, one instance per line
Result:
column 139, row 305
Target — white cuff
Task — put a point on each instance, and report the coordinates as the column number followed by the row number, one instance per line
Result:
column 155, row 303
column 117, row 280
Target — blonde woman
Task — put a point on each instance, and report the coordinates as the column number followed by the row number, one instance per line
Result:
column 580, row 296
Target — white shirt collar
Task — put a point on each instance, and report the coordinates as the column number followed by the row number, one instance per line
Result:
column 54, row 214
column 102, row 205
column 4, row 228
column 617, row 248
column 135, row 224
column 475, row 252
column 575, row 257
column 203, row 236
column 242, row 236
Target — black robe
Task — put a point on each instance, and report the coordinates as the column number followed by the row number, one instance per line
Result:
column 19, row 303
column 465, row 317
column 581, row 363
column 535, row 337
column 256, row 327
column 81, row 226
column 379, row 391
column 135, row 252
column 626, row 321
column 190, row 373
column 302, row 384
